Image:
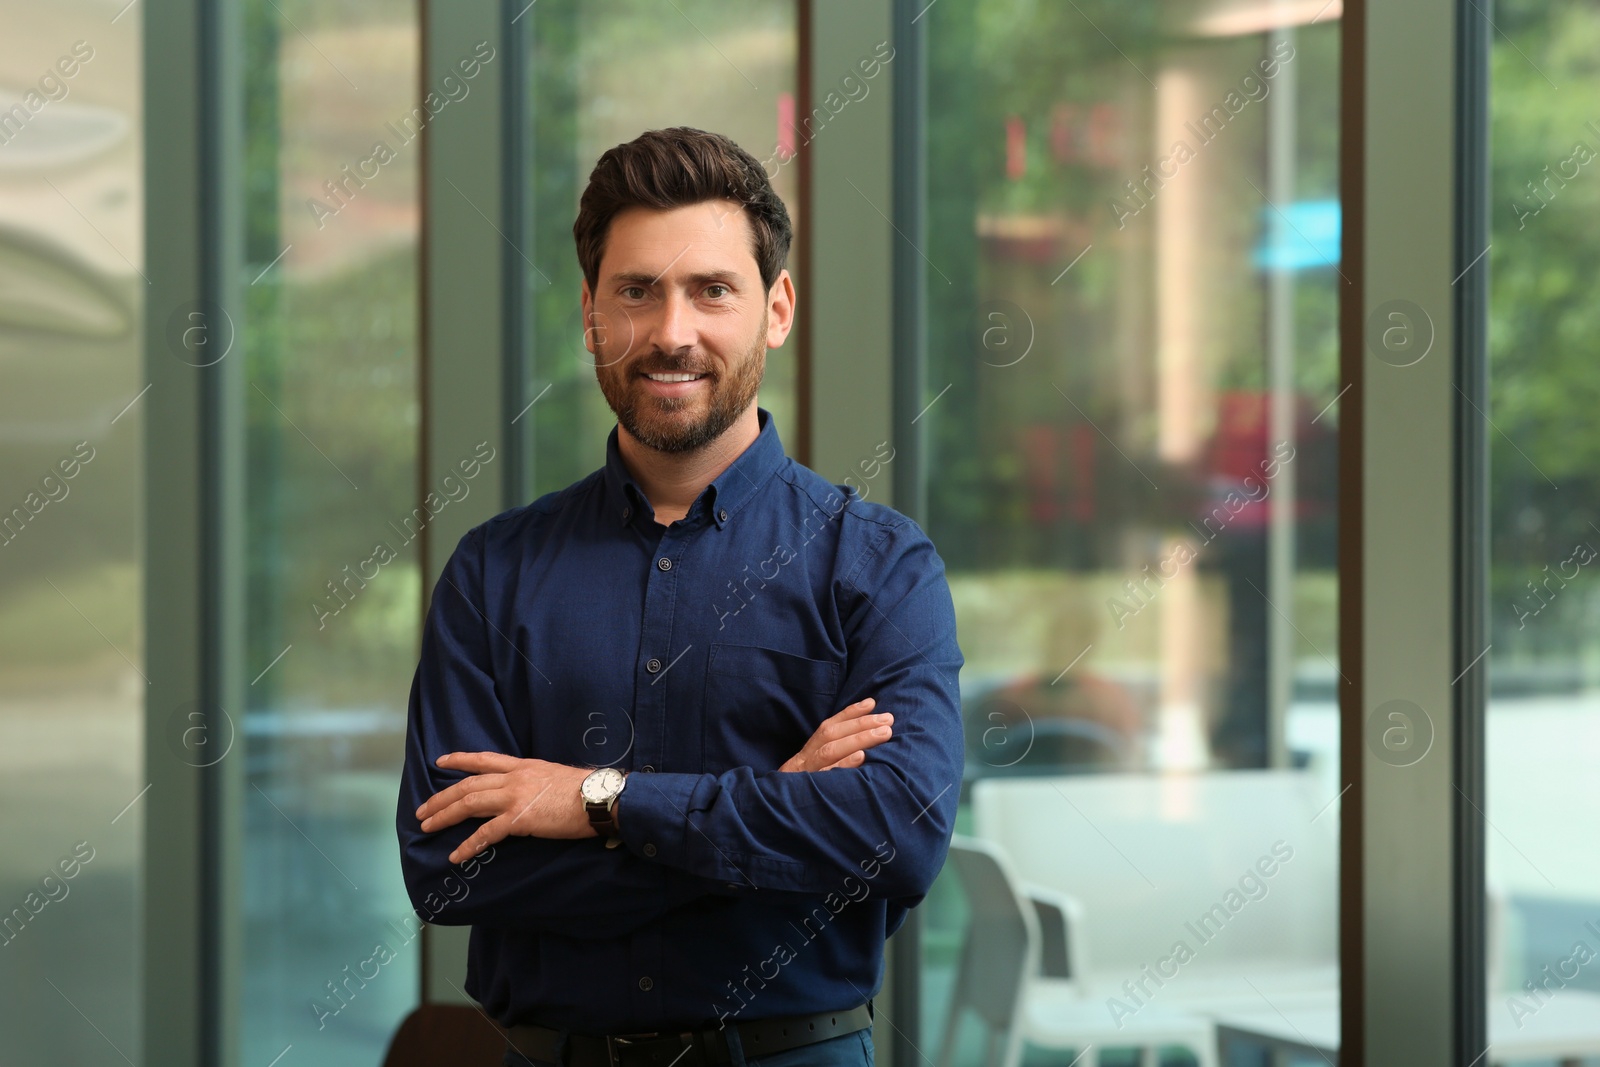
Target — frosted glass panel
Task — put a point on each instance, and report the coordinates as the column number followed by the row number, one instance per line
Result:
column 71, row 577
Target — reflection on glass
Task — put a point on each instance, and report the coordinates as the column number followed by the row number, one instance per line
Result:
column 72, row 685
column 332, row 118
column 1543, row 658
column 1132, row 289
column 599, row 75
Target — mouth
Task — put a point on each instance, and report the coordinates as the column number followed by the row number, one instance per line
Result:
column 673, row 383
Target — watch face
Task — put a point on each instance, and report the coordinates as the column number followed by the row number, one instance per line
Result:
column 602, row 785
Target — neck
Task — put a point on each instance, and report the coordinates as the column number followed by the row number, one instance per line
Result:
column 672, row 481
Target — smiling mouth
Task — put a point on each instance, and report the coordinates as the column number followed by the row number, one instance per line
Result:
column 675, row 377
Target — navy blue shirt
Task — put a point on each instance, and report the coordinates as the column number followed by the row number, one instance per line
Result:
column 699, row 656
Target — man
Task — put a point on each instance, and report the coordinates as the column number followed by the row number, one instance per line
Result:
column 623, row 767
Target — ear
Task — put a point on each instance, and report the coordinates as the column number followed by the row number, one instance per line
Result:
column 780, row 309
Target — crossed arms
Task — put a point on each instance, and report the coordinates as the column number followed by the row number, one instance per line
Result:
column 803, row 828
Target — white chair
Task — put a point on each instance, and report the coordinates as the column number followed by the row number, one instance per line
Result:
column 1024, row 993
column 1151, row 859
column 1139, row 859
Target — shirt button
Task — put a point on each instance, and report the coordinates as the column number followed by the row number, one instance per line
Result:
column 626, row 512
column 664, row 563
column 645, row 983
column 652, row 665
column 723, row 514
column 649, row 850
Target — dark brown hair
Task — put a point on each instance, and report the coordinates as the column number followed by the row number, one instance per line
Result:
column 670, row 168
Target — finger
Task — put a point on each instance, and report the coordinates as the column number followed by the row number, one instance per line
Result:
column 842, row 719
column 849, row 732
column 478, row 762
column 841, row 731
column 856, row 710
column 490, row 833
column 482, row 804
column 855, row 759
column 840, row 726
column 445, row 797
column 867, row 737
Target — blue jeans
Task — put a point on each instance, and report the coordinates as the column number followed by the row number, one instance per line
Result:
column 846, row 1050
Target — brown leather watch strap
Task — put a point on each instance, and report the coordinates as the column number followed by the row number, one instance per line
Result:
column 605, row 821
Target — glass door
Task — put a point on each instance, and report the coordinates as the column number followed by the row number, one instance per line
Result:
column 1132, row 425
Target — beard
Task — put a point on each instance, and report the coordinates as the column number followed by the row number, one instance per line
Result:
column 676, row 424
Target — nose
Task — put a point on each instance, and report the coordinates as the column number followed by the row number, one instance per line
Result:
column 674, row 328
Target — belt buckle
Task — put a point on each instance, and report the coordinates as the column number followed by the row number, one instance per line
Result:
column 613, row 1043
column 616, row 1043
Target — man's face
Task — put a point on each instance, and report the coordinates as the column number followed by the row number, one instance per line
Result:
column 680, row 293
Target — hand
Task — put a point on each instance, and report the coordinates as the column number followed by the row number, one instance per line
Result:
column 530, row 797
column 843, row 739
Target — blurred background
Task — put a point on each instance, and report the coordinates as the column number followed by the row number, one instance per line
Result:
column 1129, row 299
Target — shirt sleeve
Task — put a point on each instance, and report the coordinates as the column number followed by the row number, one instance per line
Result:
column 572, row 887
column 886, row 825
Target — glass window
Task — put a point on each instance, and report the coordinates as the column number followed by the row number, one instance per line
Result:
column 72, row 673
column 1543, row 726
column 1132, row 427
column 599, row 74
column 332, row 117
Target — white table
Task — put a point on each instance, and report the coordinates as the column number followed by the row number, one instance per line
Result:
column 1567, row 1026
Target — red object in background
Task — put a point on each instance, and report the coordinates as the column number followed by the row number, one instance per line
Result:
column 785, row 126
column 1016, row 148
column 1237, row 462
column 1241, row 449
column 1240, row 443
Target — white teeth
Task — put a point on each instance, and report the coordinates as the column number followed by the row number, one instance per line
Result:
column 674, row 377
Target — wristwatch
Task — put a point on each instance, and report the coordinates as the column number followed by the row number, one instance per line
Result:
column 600, row 790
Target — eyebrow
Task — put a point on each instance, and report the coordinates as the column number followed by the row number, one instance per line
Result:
column 698, row 278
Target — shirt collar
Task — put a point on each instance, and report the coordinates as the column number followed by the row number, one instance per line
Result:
column 720, row 500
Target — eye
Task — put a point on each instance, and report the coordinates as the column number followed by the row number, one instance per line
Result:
column 716, row 285
column 629, row 290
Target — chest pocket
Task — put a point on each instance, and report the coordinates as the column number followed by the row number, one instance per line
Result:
column 761, row 704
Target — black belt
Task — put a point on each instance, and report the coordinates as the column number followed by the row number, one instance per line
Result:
column 706, row 1046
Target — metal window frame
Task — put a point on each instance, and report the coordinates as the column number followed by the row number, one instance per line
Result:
column 1471, row 451
column 1413, row 531
column 859, row 299
column 847, row 290
column 192, row 935
column 908, row 375
column 469, row 359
